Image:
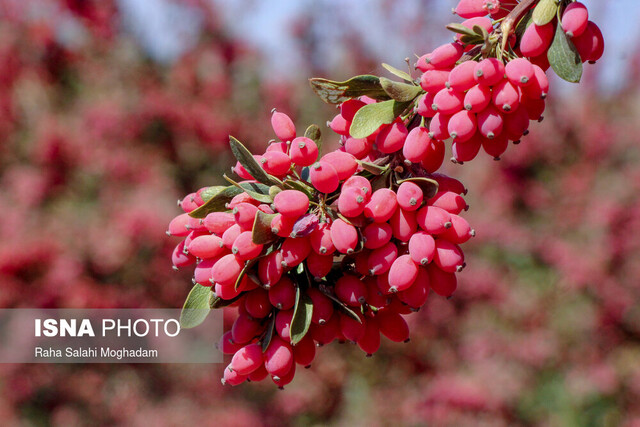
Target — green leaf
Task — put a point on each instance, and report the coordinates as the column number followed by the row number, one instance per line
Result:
column 264, row 198
column 544, row 12
column 370, row 117
column 313, row 133
column 246, row 159
column 268, row 333
column 248, row 265
column 210, row 192
column 400, row 91
column 460, row 29
column 302, row 312
column 428, row 186
column 333, row 92
column 196, row 307
column 261, row 233
column 373, row 168
column 218, row 203
column 475, row 39
column 342, row 306
column 396, row 72
column 564, row 57
column 300, row 186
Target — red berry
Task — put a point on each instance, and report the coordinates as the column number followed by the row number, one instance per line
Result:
column 516, row 124
column 416, row 145
column 369, row 342
column 470, row 8
column 326, row 332
column 349, row 108
column 409, row 196
column 344, row 163
column 320, row 240
column 178, row 225
column 244, row 248
column 539, row 87
column 340, row 125
column 434, row 157
column 402, row 273
column 462, row 77
column 403, row 223
column 490, row 122
column 202, row 272
column 360, row 182
column 322, row 307
column 438, row 128
column 351, row 328
column 218, row 222
column 319, row 265
column 226, row 270
column 575, row 19
column 417, row 294
column 283, row 324
column 282, row 295
column 448, row 101
column 381, row 206
column 244, row 329
column 424, row 104
column 226, row 344
column 381, row 259
column 449, row 256
column 434, row 80
column 460, row 231
column 489, row 72
column 477, row 98
column 278, row 358
column 391, row 138
column 446, row 55
column 247, row 359
column 230, row 236
column 344, row 236
column 462, row 126
column 276, row 163
column 282, row 225
column 520, row 72
column 270, row 268
column 377, row 235
column 449, row 201
column 179, row 258
column 422, row 248
column 433, row 220
column 495, row 147
column 324, row 177
column 283, row 126
column 442, row 283
column 351, row 290
column 393, row 326
column 506, row 97
column 291, row 203
column 257, row 303
column 536, row 39
column 351, row 202
column 303, row 151
column 358, row 148
column 232, row 377
column 244, row 215
column 305, row 351
column 468, row 150
column 294, row 251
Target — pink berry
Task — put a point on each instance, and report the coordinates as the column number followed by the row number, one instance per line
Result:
column 422, row 247
column 319, row 265
column 438, row 128
column 244, row 215
column 257, row 303
column 495, row 147
column 490, row 122
column 352, row 329
column 416, row 144
column 449, row 256
column 344, row 163
column 409, row 196
column 282, row 295
column 446, row 55
column 424, row 104
column 403, row 224
column 283, row 380
column 520, row 72
column 442, row 283
column 294, row 251
column 462, row 126
column 358, row 148
column 448, row 101
column 247, row 359
column 489, row 72
column 468, row 150
column 391, row 138
column 402, row 273
column 282, row 225
column 349, row 108
column 394, row 327
column 232, row 377
column 340, row 125
column 303, row 151
column 477, row 98
column 344, row 236
column 590, row 43
column 178, row 225
column 244, row 248
column 417, row 294
column 481, row 21
column 351, row 290
column 324, row 177
column 377, row 235
column 434, row 80
column 460, row 231
column 322, row 307
column 575, row 19
column 359, row 182
column 278, row 358
column 270, row 268
column 291, row 203
column 446, row 183
column 539, row 87
column 434, row 157
column 506, row 97
column 433, row 220
column 516, row 124
column 283, row 126
column 219, row 222
column 381, row 206
column 259, row 374
column 239, row 170
column 227, row 270
column 470, row 8
column 369, row 342
column 462, row 77
column 276, row 163
column 305, row 351
column 244, row 329
column 280, row 147
column 536, row 39
column 202, row 272
column 230, row 236
column 283, row 324
column 381, row 259
column 351, row 202
column 449, row 201
column 320, row 240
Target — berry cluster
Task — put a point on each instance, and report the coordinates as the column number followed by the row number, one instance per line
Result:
column 313, row 248
column 363, row 249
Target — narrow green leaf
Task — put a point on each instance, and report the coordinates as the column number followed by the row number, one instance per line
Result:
column 196, row 307
column 370, row 117
column 313, row 133
column 333, row 92
column 264, row 198
column 460, row 29
column 342, row 306
column 396, row 72
column 302, row 312
column 209, row 192
column 246, row 159
column 218, row 202
column 373, row 168
column 564, row 57
column 268, row 333
column 247, row 266
column 401, row 92
column 544, row 12
column 428, row 186
column 261, row 233
column 300, row 186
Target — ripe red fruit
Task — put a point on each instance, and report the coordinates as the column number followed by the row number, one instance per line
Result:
column 226, row 344
column 320, row 240
column 257, row 303
column 468, row 150
column 369, row 342
column 403, row 224
column 282, row 295
column 319, row 265
column 230, row 236
column 232, row 377
column 460, row 231
column 434, row 80
column 322, row 307
column 226, row 270
column 206, row 246
column 446, row 55
column 575, row 19
column 416, row 145
column 344, row 236
column 539, row 87
column 393, row 326
column 239, row 170
column 282, row 225
column 481, row 21
column 270, row 268
column 283, row 324
column 448, row 101
column 449, row 201
column 462, row 77
column 380, row 259
column 303, row 151
column 276, row 163
column 351, row 202
column 470, row 8
column 402, row 273
column 434, row 157
column 340, row 125
column 304, row 351
column 218, row 222
column 259, row 374
column 520, row 72
column 324, row 177
column 247, row 359
column 349, row 108
column 438, row 128
column 358, row 147
column 291, row 203
column 490, row 122
column 516, row 124
column 433, row 220
column 294, row 251
column 391, row 138
column 202, row 272
column 590, row 43
column 536, row 39
column 326, row 332
column 278, row 358
column 489, row 72
column 409, row 196
column 446, row 183
column 358, row 182
column 179, row 258
column 244, row 248
column 448, row 256
column 352, row 329
column 477, row 98
column 422, row 248
column 351, row 290
column 462, row 126
column 381, row 206
column 283, row 126
column 495, row 147
column 424, row 104
column 506, row 97
column 417, row 294
column 442, row 283
column 344, row 163
column 244, row 215
column 178, row 225
column 377, row 235
column 244, row 329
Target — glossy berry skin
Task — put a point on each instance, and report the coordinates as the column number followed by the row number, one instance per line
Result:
column 448, row 256
column 244, row 248
column 520, row 72
column 442, row 283
column 283, row 126
column 462, row 77
column 448, row 101
column 391, row 138
column 394, row 327
column 320, row 240
column 294, row 251
column 377, row 235
column 422, row 248
column 344, row 163
column 381, row 259
column 477, row 98
column 462, row 126
column 409, row 196
column 489, row 72
column 433, row 220
column 276, row 163
column 402, row 273
column 247, row 359
column 381, row 206
column 291, row 203
column 575, row 19
column 351, row 290
column 257, row 303
column 226, row 270
column 416, row 145
column 278, row 358
column 303, row 151
column 324, row 177
column 536, row 39
column 344, row 236
column 506, row 97
column 446, row 55
column 322, row 307
column 351, row 202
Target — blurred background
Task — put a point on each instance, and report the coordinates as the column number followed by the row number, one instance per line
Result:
column 111, row 110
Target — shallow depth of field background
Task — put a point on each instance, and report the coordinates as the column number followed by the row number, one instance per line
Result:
column 112, row 110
